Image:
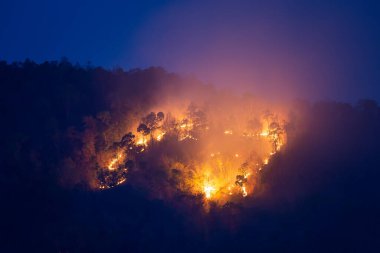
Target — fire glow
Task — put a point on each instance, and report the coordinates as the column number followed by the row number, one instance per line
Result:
column 200, row 156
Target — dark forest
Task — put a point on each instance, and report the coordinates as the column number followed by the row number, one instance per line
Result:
column 319, row 193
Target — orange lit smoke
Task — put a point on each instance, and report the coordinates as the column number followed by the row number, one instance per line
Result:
column 222, row 153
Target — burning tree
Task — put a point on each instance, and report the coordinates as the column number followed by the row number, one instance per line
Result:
column 217, row 164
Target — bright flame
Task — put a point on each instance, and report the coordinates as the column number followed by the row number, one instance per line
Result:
column 142, row 141
column 111, row 165
column 160, row 136
column 208, row 190
column 188, row 125
column 230, row 190
column 244, row 191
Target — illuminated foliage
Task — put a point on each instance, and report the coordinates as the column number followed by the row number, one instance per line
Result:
column 195, row 156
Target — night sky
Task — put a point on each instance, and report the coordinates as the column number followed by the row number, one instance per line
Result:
column 276, row 49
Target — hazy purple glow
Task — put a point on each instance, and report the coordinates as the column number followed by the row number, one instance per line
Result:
column 277, row 48
column 282, row 50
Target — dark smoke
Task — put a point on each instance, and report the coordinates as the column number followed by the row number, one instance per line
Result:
column 318, row 194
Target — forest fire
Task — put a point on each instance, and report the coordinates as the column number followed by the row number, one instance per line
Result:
column 179, row 144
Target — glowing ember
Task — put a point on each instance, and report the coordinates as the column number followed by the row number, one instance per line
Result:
column 122, row 180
